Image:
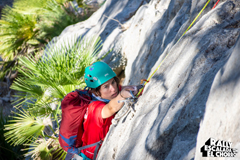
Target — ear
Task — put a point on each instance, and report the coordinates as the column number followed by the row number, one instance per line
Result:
column 98, row 93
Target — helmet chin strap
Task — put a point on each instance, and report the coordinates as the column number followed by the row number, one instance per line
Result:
column 96, row 98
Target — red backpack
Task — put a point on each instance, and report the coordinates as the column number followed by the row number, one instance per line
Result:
column 74, row 106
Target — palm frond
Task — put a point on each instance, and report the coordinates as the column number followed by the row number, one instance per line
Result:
column 60, row 153
column 30, row 23
column 8, row 151
column 6, row 67
column 54, row 18
column 39, row 149
column 29, row 7
column 59, row 72
column 15, row 29
column 23, row 128
column 43, row 84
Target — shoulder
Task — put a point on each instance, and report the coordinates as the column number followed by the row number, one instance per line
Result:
column 96, row 105
column 95, row 112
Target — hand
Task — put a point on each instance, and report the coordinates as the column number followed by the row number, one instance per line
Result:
column 125, row 93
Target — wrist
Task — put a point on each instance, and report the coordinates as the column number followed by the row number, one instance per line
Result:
column 121, row 95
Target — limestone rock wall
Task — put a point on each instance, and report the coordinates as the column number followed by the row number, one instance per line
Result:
column 198, row 76
column 221, row 120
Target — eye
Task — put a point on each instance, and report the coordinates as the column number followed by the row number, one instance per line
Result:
column 113, row 81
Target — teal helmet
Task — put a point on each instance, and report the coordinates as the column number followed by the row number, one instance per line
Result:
column 97, row 74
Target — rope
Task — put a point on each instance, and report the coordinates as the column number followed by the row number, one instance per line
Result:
column 195, row 19
column 140, row 91
column 215, row 4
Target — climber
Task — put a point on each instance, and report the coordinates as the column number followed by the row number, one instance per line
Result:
column 108, row 94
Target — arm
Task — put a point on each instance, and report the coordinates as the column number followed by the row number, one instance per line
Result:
column 113, row 106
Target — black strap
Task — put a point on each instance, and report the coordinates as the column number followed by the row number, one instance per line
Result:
column 90, row 145
column 96, row 149
column 97, row 144
column 69, row 156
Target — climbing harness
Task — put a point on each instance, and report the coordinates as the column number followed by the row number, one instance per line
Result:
column 176, row 43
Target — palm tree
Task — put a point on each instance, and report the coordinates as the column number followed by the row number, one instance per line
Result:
column 28, row 26
column 43, row 85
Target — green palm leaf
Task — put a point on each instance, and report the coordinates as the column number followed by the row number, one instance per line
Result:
column 39, row 149
column 24, row 128
column 15, row 29
column 59, row 72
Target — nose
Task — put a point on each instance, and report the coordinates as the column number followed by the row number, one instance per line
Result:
column 112, row 88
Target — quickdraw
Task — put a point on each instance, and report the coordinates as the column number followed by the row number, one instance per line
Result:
column 128, row 106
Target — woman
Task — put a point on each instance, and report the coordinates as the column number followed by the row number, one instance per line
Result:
column 106, row 93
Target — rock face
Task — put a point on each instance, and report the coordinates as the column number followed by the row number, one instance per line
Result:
column 221, row 119
column 197, row 83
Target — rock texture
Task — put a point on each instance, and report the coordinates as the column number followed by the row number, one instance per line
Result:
column 221, row 119
column 182, row 93
column 6, row 98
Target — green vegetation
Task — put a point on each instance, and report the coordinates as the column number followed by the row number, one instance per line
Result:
column 29, row 25
column 8, row 151
column 43, row 85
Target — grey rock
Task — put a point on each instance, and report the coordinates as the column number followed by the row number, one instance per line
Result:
column 221, row 120
column 1, row 102
column 6, row 99
column 143, row 35
column 106, row 23
column 3, row 88
column 94, row 2
column 166, row 123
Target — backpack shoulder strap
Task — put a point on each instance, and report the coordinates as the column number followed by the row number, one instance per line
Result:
column 97, row 144
column 69, row 155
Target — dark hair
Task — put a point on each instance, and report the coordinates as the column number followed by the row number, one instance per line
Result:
column 96, row 91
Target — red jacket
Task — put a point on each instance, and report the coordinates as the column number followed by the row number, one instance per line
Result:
column 95, row 127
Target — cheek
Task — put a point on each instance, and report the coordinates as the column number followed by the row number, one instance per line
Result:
column 115, row 86
column 104, row 92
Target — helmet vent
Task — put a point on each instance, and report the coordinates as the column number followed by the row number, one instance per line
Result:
column 89, row 75
column 91, row 80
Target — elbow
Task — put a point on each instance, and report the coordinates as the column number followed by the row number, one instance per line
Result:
column 113, row 109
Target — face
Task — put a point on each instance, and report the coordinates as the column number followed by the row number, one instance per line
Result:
column 109, row 89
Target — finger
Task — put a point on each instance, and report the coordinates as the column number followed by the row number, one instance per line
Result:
column 129, row 89
column 135, row 90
